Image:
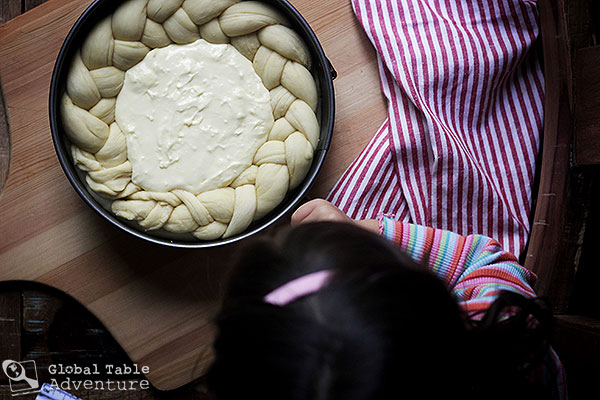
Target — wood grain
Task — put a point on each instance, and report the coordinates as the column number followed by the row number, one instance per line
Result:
column 9, row 9
column 546, row 239
column 4, row 144
column 10, row 327
column 29, row 4
column 587, row 106
column 158, row 303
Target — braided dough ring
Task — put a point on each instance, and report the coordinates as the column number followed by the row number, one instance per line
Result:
column 99, row 147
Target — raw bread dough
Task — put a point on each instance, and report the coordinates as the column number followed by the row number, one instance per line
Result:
column 99, row 148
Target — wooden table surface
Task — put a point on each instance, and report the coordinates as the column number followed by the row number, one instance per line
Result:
column 29, row 250
column 4, row 144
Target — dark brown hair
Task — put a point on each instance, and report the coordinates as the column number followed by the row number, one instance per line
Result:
column 384, row 327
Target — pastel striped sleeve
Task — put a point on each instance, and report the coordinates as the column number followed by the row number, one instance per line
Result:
column 474, row 267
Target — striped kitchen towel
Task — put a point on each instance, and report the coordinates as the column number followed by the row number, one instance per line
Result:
column 465, row 89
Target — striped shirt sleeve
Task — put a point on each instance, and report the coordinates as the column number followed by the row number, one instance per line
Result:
column 474, row 267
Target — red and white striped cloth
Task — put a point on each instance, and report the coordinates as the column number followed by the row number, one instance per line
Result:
column 465, row 88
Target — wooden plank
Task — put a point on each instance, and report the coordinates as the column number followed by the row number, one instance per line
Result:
column 579, row 24
column 29, row 4
column 9, row 9
column 559, row 217
column 543, row 250
column 10, row 297
column 10, row 325
column 4, row 143
column 582, row 17
column 587, row 106
column 38, row 314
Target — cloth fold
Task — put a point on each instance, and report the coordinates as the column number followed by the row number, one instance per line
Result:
column 464, row 85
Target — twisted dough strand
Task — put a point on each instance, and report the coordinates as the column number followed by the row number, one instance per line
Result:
column 99, row 147
column 108, row 80
column 160, row 10
column 180, row 28
column 154, row 35
column 97, row 49
column 212, row 32
column 249, row 16
column 104, row 110
column 247, row 45
column 202, row 11
column 129, row 19
column 81, row 87
column 286, row 42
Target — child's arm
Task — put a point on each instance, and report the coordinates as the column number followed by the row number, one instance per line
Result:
column 475, row 267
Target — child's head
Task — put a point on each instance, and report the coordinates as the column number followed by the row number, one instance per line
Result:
column 381, row 327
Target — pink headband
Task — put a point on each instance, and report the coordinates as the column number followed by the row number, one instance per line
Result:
column 299, row 287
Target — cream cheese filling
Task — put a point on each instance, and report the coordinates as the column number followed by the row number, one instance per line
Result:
column 193, row 115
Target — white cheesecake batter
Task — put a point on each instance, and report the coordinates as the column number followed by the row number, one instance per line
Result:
column 194, row 116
